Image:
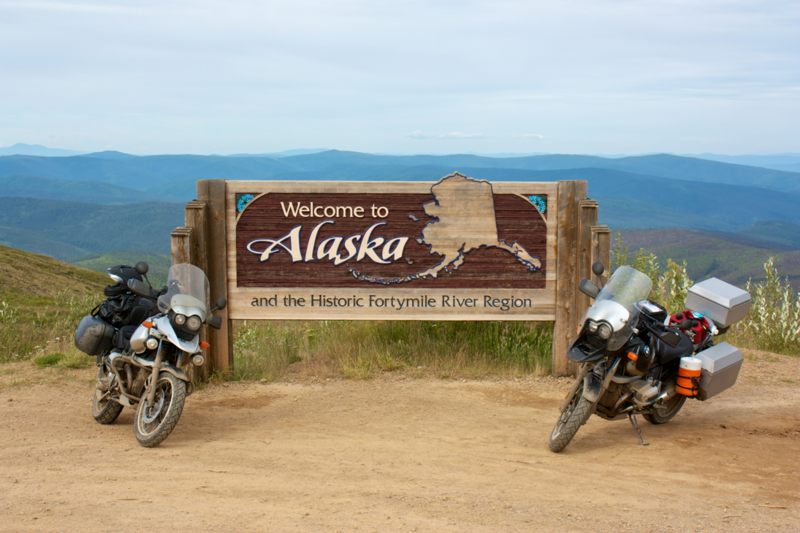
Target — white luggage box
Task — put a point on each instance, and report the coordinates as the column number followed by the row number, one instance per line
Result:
column 722, row 303
column 721, row 365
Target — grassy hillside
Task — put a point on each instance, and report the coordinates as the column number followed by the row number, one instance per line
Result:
column 41, row 301
column 732, row 257
column 33, row 224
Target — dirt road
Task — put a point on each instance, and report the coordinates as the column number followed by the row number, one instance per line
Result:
column 395, row 454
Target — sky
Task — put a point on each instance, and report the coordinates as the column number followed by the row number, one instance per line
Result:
column 430, row 76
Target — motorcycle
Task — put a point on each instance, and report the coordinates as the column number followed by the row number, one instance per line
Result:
column 142, row 368
column 635, row 359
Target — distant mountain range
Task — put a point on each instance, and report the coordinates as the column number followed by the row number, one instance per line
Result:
column 734, row 257
column 68, row 230
column 37, row 149
column 70, row 207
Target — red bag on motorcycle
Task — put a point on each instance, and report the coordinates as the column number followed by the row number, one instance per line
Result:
column 699, row 332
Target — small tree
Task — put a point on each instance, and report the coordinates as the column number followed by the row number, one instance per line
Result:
column 773, row 322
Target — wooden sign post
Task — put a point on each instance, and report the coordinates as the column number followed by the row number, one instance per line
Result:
column 456, row 249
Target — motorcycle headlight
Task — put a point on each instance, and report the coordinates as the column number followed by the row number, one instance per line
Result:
column 180, row 319
column 604, row 331
column 592, row 326
column 194, row 322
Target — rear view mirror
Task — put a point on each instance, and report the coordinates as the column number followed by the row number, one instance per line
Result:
column 139, row 287
column 142, row 267
column 598, row 268
column 588, row 288
column 221, row 303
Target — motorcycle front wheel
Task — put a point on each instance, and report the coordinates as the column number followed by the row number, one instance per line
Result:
column 154, row 422
column 104, row 409
column 570, row 421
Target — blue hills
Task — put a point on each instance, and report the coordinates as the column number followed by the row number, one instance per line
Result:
column 107, row 201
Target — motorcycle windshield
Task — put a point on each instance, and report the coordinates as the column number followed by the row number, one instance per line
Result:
column 626, row 287
column 187, row 286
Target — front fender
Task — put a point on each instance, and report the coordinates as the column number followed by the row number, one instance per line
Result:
column 177, row 372
column 592, row 387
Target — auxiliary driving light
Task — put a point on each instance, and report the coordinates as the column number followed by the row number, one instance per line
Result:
column 198, row 360
column 151, row 343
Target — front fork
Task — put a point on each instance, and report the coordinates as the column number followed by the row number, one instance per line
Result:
column 582, row 371
column 151, row 390
column 593, row 385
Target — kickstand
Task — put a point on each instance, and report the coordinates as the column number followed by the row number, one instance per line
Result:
column 635, row 424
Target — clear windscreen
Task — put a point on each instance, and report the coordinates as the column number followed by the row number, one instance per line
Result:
column 626, row 287
column 187, row 285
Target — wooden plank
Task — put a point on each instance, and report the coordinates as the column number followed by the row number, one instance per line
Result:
column 587, row 219
column 568, row 217
column 601, row 251
column 212, row 193
column 418, row 304
column 389, row 187
column 180, row 244
column 195, row 214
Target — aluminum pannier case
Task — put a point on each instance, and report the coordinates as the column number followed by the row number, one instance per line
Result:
column 93, row 335
column 721, row 365
column 720, row 302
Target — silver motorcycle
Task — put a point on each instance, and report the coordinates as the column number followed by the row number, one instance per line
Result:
column 147, row 373
column 635, row 359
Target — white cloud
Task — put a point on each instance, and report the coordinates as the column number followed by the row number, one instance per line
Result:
column 419, row 135
column 528, row 136
column 459, row 135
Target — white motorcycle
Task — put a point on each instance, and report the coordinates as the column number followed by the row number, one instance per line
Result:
column 146, row 373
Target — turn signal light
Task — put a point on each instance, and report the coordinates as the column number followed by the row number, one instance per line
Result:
column 632, row 356
column 147, row 324
column 204, row 345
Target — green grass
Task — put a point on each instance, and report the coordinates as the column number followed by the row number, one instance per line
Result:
column 360, row 350
column 41, row 303
column 49, row 359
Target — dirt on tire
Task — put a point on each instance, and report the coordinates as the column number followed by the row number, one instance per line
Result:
column 399, row 454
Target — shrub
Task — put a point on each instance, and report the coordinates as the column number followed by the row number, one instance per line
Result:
column 773, row 322
column 49, row 359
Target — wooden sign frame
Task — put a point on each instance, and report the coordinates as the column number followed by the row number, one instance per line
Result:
column 574, row 241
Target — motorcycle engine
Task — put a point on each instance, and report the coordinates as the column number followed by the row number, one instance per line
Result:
column 645, row 391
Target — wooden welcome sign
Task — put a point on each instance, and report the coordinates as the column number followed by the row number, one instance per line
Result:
column 458, row 248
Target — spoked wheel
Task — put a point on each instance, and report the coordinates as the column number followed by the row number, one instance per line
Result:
column 570, row 421
column 673, row 405
column 154, row 422
column 104, row 409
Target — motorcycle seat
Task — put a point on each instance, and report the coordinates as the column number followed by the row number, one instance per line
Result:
column 667, row 354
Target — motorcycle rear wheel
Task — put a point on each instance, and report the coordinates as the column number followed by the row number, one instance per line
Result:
column 154, row 422
column 104, row 410
column 674, row 405
column 570, row 421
